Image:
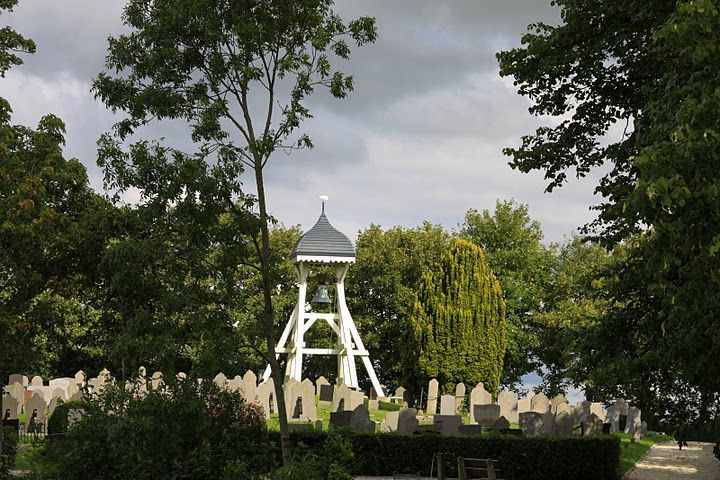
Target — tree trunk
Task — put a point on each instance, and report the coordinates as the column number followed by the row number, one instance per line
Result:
column 269, row 317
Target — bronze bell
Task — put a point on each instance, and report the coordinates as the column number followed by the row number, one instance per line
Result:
column 321, row 295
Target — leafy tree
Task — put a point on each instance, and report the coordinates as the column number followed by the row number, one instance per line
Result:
column 457, row 331
column 171, row 277
column 513, row 247
column 382, row 286
column 651, row 69
column 52, row 229
column 239, row 73
column 574, row 304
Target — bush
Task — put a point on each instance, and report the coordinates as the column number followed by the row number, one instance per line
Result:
column 716, row 450
column 58, row 421
column 330, row 462
column 522, row 458
column 9, row 450
column 187, row 430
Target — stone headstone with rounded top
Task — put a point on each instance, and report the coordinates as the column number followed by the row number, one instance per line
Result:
column 432, row 398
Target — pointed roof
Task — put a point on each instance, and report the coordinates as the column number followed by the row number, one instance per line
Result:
column 323, row 243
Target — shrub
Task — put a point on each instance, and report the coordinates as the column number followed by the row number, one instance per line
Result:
column 186, row 430
column 9, row 450
column 332, row 461
column 522, row 458
column 716, row 450
column 58, row 421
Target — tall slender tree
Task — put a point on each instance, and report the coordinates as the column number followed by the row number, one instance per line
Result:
column 457, row 331
column 239, row 73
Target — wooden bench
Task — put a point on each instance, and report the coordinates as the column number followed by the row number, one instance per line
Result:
column 469, row 468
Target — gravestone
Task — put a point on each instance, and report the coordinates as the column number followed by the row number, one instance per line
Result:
column 53, row 404
column 356, row 398
column 234, row 385
column 523, row 405
column 157, row 381
column 181, row 376
column 469, row 430
column 63, row 383
column 540, row 403
column 374, row 404
column 220, row 380
column 72, row 389
column 300, row 398
column 532, row 423
column 634, row 422
column 341, row 398
column 563, row 424
column 566, row 408
column 500, row 424
column 80, row 378
column 341, row 419
column 447, row 405
column 400, row 393
column 360, row 420
column 326, row 393
column 265, row 395
column 248, row 386
column 10, row 408
column 17, row 391
column 557, row 400
column 447, row 425
column 407, row 420
column 508, row 402
column 592, row 425
column 486, row 415
column 58, row 393
column 35, row 406
column 478, row 396
column 17, row 378
column 36, row 381
column 318, row 387
column 459, row 396
column 432, row 397
column 390, row 423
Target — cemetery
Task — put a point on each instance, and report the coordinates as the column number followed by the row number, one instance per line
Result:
column 519, row 281
column 492, row 426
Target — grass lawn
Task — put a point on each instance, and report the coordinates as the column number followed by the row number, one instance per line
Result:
column 631, row 451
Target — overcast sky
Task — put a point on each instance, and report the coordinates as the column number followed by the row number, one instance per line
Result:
column 419, row 139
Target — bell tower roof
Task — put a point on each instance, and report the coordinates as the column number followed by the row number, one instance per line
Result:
column 323, row 243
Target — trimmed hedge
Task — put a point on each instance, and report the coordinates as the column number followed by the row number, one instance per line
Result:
column 522, row 458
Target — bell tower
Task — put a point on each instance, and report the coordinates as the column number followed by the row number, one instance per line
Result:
column 323, row 245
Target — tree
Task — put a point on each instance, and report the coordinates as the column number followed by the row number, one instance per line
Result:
column 513, row 247
column 651, row 69
column 457, row 331
column 574, row 304
column 239, row 73
column 51, row 224
column 382, row 286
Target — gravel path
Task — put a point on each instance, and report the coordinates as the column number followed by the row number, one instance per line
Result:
column 665, row 461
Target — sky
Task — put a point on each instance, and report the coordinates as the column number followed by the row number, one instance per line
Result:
column 420, row 138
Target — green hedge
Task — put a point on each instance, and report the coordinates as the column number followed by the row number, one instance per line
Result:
column 522, row 458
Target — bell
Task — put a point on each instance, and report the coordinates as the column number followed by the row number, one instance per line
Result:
column 321, row 295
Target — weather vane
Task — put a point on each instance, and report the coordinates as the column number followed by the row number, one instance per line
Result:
column 324, row 199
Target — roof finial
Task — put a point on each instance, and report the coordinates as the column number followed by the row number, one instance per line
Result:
column 324, row 198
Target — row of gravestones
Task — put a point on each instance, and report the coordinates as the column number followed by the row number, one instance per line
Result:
column 541, row 415
column 299, row 396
